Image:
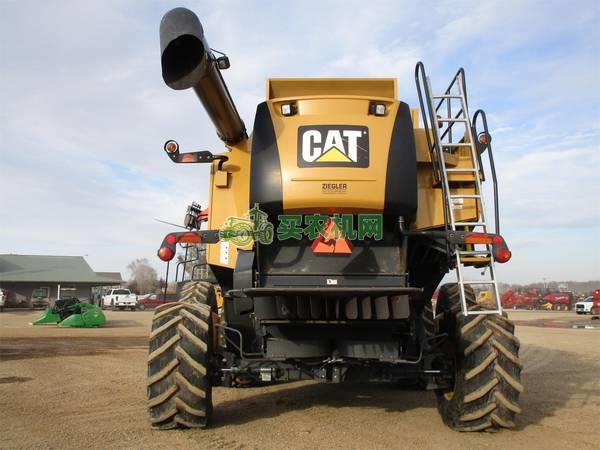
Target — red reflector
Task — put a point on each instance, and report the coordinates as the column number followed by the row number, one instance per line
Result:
column 190, row 238
column 498, row 240
column 171, row 239
column 203, row 214
column 503, row 255
column 166, row 253
column 478, row 238
column 188, row 158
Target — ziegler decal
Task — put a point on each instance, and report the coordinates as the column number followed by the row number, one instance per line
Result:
column 334, row 188
column 333, row 146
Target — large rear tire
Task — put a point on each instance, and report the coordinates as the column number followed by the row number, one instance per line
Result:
column 202, row 292
column 487, row 381
column 180, row 362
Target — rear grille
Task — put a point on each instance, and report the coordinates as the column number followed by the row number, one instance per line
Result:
column 332, row 308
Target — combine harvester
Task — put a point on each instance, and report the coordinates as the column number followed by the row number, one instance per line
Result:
column 329, row 228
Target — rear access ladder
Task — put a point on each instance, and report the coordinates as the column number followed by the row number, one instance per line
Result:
column 437, row 110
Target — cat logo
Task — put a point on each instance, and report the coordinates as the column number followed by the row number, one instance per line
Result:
column 333, row 146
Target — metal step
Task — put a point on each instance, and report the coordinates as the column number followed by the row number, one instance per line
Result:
column 451, row 120
column 446, row 96
column 470, row 224
column 484, row 311
column 458, row 169
column 465, row 196
column 456, row 144
column 471, row 260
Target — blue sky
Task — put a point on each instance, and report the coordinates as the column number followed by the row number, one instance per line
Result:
column 84, row 112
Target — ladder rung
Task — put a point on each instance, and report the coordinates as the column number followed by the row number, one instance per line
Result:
column 452, row 120
column 470, row 224
column 468, row 260
column 473, row 252
column 479, row 282
column 446, row 96
column 483, row 311
column 456, row 144
column 466, row 169
column 465, row 196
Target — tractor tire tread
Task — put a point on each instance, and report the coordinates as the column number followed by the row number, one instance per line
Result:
column 179, row 363
column 487, row 384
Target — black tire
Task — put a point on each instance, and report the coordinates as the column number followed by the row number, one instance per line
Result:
column 487, row 369
column 428, row 320
column 180, row 363
column 199, row 292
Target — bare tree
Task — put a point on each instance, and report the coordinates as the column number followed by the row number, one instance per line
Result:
column 143, row 276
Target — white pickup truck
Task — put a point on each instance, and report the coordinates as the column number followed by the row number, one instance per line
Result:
column 120, row 299
column 585, row 306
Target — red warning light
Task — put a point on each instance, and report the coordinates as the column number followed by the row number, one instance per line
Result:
column 166, row 253
column 503, row 255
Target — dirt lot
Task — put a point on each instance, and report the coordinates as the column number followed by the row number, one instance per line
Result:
column 70, row 388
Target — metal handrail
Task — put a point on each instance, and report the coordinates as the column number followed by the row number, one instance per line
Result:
column 184, row 263
column 196, row 266
column 488, row 147
column 420, row 70
column 460, row 72
column 436, row 160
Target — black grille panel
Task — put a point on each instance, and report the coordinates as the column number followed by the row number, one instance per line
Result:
column 331, row 308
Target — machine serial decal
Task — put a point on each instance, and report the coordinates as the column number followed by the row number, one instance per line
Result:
column 333, row 146
column 334, row 188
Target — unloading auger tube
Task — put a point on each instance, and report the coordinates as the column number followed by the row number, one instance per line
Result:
column 188, row 62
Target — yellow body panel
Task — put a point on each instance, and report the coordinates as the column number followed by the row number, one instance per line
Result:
column 229, row 197
column 430, row 213
column 365, row 187
column 294, row 88
column 334, row 102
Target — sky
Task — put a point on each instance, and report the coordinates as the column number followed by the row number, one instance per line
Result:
column 84, row 112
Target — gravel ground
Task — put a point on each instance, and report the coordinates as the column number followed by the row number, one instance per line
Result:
column 84, row 388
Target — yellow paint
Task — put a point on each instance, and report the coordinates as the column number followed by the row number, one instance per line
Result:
column 229, row 200
column 303, row 186
column 341, row 102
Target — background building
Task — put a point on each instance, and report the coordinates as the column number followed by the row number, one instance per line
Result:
column 27, row 277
